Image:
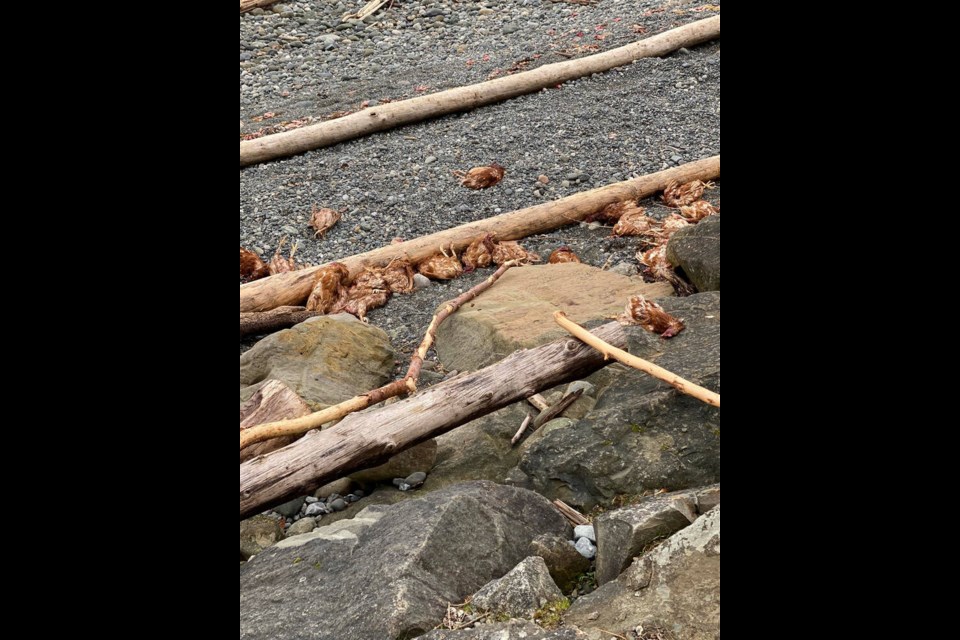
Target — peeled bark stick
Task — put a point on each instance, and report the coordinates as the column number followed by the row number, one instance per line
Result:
column 406, row 384
column 538, row 402
column 609, row 351
column 250, row 5
column 365, row 439
column 556, row 410
column 260, row 322
column 523, row 427
column 395, row 114
column 571, row 514
column 294, row 288
column 273, row 401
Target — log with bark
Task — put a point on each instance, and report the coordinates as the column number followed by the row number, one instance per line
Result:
column 273, row 401
column 261, row 322
column 395, row 114
column 250, row 5
column 366, row 439
column 294, row 288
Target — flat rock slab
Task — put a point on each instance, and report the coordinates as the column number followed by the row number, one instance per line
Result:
column 512, row 630
column 520, row 593
column 325, row 360
column 392, row 577
column 674, row 587
column 517, row 312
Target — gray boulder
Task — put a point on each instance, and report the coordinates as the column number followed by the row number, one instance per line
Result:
column 521, row 592
column 563, row 561
column 393, row 577
column 696, row 250
column 325, row 360
column 512, row 630
column 674, row 587
column 642, row 434
column 303, row 525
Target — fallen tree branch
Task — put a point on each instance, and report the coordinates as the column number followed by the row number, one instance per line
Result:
column 523, row 427
column 608, row 351
column 538, row 402
column 294, row 288
column 550, row 413
column 250, row 5
column 406, row 384
column 395, row 114
column 365, row 439
column 261, row 322
column 273, row 401
column 571, row 514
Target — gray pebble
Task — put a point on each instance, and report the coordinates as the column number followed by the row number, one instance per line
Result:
column 338, row 505
column 315, row 509
column 303, row 525
column 586, row 548
column 311, row 499
column 416, row 478
column 430, row 160
column 576, row 385
column 420, row 281
column 585, row 531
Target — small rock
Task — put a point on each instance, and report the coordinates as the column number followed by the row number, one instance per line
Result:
column 510, row 27
column 303, row 525
column 358, row 494
column 398, row 481
column 624, row 269
column 588, row 388
column 290, row 509
column 311, row 499
column 586, row 548
column 430, row 160
column 416, row 478
column 316, row 509
column 420, row 281
column 585, row 531
column 338, row 505
column 542, row 179
column 485, row 11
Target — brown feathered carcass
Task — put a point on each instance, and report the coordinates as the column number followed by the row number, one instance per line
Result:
column 252, row 267
column 698, row 210
column 441, row 266
column 651, row 316
column 634, row 223
column 279, row 264
column 479, row 254
column 655, row 259
column 510, row 250
column 322, row 220
column 481, row 177
column 561, row 255
column 360, row 299
column 679, row 195
column 611, row 213
column 328, row 286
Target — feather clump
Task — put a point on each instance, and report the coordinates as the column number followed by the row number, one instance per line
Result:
column 561, row 255
column 481, row 177
column 322, row 220
column 510, row 250
column 651, row 316
column 279, row 264
column 611, row 213
column 479, row 254
column 252, row 267
column 680, row 195
column 441, row 266
column 328, row 287
column 633, row 223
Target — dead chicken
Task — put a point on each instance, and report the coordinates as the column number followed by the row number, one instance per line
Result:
column 655, row 259
column 633, row 223
column 251, row 266
column 322, row 220
column 481, row 177
column 698, row 210
column 611, row 213
column 660, row 232
column 651, row 316
column 510, row 250
column 480, row 253
column 399, row 275
column 561, row 255
column 357, row 300
column 680, row 195
column 329, row 284
column 441, row 266
column 279, row 264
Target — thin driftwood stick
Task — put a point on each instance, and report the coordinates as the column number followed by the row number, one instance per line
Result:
column 250, row 5
column 395, row 114
column 539, row 402
column 260, row 322
column 362, row 440
column 406, row 384
column 550, row 413
column 684, row 386
column 523, row 427
column 293, row 288
column 571, row 514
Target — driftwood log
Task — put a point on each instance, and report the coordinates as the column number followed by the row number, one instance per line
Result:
column 250, row 5
column 395, row 114
column 366, row 439
column 294, row 287
column 253, row 323
column 273, row 401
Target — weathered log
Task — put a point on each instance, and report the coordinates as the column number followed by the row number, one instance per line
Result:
column 395, row 114
column 294, row 287
column 260, row 322
column 273, row 401
column 250, row 5
column 366, row 439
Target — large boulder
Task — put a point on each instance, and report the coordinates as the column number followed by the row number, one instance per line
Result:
column 563, row 561
column 623, row 533
column 520, row 593
column 512, row 630
column 675, row 587
column 517, row 313
column 325, row 360
column 642, row 434
column 696, row 250
column 393, row 577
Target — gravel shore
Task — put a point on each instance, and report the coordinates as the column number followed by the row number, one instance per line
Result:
column 299, row 60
